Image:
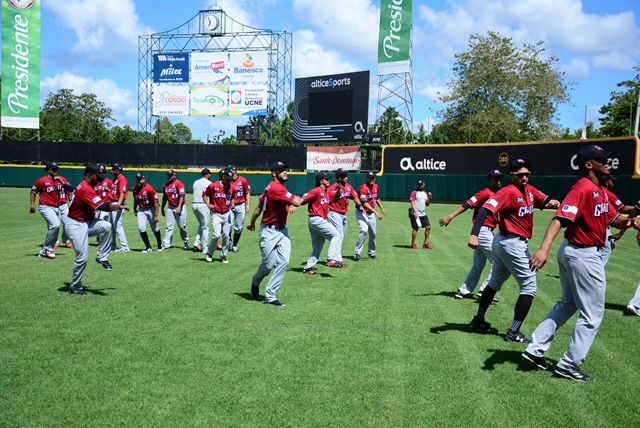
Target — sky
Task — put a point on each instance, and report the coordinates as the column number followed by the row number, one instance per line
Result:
column 92, row 45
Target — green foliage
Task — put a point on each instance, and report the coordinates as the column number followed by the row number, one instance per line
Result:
column 181, row 133
column 500, row 93
column 275, row 131
column 392, row 129
column 619, row 114
column 592, row 132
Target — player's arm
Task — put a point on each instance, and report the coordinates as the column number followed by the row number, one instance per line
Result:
column 32, row 201
column 444, row 221
column 156, row 207
column 379, row 202
column 254, row 217
column 164, row 203
column 475, row 229
column 542, row 255
column 123, row 195
column 248, row 199
column 135, row 205
column 181, row 199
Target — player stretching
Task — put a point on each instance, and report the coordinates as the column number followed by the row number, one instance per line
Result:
column 119, row 194
column 218, row 197
column 275, row 243
column 420, row 200
column 147, row 209
column 586, row 212
column 242, row 195
column 513, row 205
column 367, row 218
column 175, row 193
column 339, row 194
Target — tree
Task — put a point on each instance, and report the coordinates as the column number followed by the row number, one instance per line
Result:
column 421, row 136
column 500, row 92
column 181, row 133
column 619, row 114
column 123, row 135
column 164, row 131
column 592, row 132
column 391, row 128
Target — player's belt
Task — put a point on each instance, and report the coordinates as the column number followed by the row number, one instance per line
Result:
column 273, row 226
column 194, row 203
column 581, row 246
column 511, row 236
column 487, row 227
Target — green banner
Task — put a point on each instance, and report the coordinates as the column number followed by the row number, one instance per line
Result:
column 21, row 36
column 394, row 42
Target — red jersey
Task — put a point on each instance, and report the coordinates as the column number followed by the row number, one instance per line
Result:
column 147, row 197
column 219, row 197
column 476, row 202
column 339, row 197
column 240, row 189
column 52, row 193
column 514, row 209
column 174, row 191
column 318, row 201
column 614, row 199
column 588, row 208
column 369, row 194
column 103, row 189
column 85, row 202
column 119, row 186
column 275, row 202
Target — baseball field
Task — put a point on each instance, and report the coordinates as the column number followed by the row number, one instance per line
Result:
column 166, row 339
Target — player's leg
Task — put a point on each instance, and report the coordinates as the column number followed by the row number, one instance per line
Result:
column 182, row 224
column 52, row 219
column 329, row 233
column 499, row 275
column 239, row 213
column 124, row 245
column 317, row 242
column 226, row 235
column 470, row 282
column 216, row 233
column 282, row 254
column 373, row 235
column 171, row 224
column 63, row 211
column 485, row 239
column 424, row 221
column 197, row 240
column 634, row 304
column 141, row 217
column 338, row 221
column 103, row 231
column 605, row 252
column 77, row 232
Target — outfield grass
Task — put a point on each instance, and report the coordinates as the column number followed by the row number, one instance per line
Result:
column 166, row 339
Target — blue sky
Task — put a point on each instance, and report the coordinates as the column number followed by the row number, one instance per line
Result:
column 91, row 45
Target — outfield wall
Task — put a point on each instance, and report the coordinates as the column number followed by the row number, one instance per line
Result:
column 445, row 188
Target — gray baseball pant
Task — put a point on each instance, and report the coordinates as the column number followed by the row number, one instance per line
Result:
column 367, row 224
column 339, row 221
column 221, row 228
column 608, row 248
column 276, row 253
column 146, row 215
column 79, row 233
column 480, row 256
column 174, row 218
column 583, row 285
column 511, row 257
column 320, row 230
column 203, row 215
column 238, row 214
column 53, row 217
column 116, row 224
column 636, row 298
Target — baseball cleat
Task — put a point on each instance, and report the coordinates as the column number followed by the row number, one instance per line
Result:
column 516, row 336
column 356, row 257
column 632, row 310
column 68, row 244
column 460, row 295
column 148, row 250
column 427, row 245
column 255, row 292
column 309, row 271
column 479, row 324
column 122, row 250
column 414, row 246
column 234, row 249
column 539, row 362
column 224, row 259
column 275, row 303
column 48, row 254
column 197, row 247
column 578, row 375
column 209, row 257
column 78, row 291
column 372, row 256
column 335, row 264
column 105, row 264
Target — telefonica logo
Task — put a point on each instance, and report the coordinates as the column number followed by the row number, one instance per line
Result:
column 331, row 83
column 392, row 40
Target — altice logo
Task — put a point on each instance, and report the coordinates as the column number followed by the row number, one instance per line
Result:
column 331, row 83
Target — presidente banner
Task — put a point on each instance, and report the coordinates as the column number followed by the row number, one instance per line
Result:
column 332, row 158
column 394, row 41
column 171, row 68
column 546, row 158
column 21, row 37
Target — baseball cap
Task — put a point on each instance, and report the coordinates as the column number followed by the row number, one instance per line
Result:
column 321, row 176
column 226, row 173
column 593, row 151
column 495, row 174
column 516, row 164
column 140, row 176
column 341, row 173
column 205, row 171
column 171, row 173
column 116, row 167
column 278, row 166
column 231, row 168
column 420, row 183
column 99, row 170
column 50, row 165
column 371, row 174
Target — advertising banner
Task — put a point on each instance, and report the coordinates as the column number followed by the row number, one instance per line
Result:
column 249, row 67
column 171, row 68
column 170, row 100
column 333, row 158
column 248, row 100
column 21, row 39
column 209, row 67
column 394, row 41
column 548, row 158
column 209, row 100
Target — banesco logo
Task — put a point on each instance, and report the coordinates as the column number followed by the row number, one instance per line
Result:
column 407, row 164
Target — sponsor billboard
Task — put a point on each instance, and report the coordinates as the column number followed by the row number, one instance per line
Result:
column 209, row 100
column 394, row 40
column 331, row 109
column 547, row 158
column 333, row 158
column 248, row 100
column 171, row 68
column 21, row 40
column 209, row 67
column 170, row 100
column 249, row 67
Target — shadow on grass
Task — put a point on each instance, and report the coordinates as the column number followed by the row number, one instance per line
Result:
column 616, row 307
column 449, row 294
column 552, row 276
column 502, row 356
column 403, row 246
column 97, row 292
column 465, row 328
column 323, row 274
column 248, row 296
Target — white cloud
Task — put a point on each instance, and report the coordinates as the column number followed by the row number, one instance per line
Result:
column 432, row 91
column 310, row 58
column 577, row 68
column 106, row 30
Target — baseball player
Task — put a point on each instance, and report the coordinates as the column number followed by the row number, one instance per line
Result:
column 175, row 193
column 513, row 205
column 320, row 228
column 52, row 190
column 81, row 223
column 633, row 307
column 103, row 189
column 481, row 242
column 201, row 211
column 586, row 213
column 242, row 197
column 147, row 209
column 119, row 194
column 275, row 244
column 420, row 200
column 218, row 197
column 339, row 194
column 367, row 218
column 608, row 182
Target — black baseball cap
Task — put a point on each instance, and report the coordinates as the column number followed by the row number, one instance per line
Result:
column 231, row 168
column 116, row 167
column 171, row 173
column 593, row 152
column 99, row 170
column 420, row 183
column 278, row 166
column 516, row 164
column 50, row 165
column 140, row 176
column 341, row 173
column 321, row 176
column 371, row 174
column 226, row 173
column 495, row 174
column 205, row 171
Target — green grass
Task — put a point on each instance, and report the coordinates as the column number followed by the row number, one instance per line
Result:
column 169, row 340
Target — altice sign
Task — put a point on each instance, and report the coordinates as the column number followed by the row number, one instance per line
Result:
column 21, row 36
column 394, row 41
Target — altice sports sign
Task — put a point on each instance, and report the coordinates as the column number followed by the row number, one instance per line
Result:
column 21, row 35
column 394, row 42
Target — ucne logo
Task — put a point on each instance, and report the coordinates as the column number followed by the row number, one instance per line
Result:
column 600, row 209
column 523, row 211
